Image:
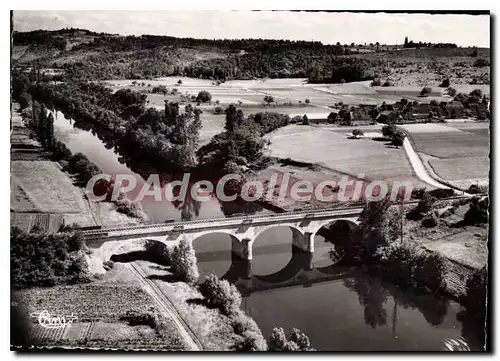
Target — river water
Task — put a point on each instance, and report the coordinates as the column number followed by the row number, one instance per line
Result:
column 339, row 308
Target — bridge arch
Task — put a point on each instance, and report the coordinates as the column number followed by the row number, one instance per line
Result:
column 215, row 251
column 273, row 246
column 353, row 224
column 330, row 247
column 296, row 231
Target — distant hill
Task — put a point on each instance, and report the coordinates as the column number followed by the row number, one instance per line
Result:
column 84, row 54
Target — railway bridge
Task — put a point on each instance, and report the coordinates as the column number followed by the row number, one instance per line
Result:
column 242, row 230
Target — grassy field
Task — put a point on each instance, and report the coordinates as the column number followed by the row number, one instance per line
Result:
column 332, row 149
column 99, row 307
column 458, row 153
column 45, row 186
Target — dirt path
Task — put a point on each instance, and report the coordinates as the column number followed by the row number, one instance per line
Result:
column 167, row 308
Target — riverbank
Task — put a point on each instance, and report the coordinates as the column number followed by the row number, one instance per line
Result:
column 445, row 243
column 43, row 195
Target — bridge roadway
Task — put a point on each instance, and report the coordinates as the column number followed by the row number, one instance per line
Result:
column 243, row 230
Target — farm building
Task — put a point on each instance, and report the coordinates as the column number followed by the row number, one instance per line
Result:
column 387, row 116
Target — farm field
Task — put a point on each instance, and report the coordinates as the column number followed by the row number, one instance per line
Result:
column 100, row 307
column 458, row 153
column 331, row 148
column 44, row 188
column 210, row 326
column 251, row 92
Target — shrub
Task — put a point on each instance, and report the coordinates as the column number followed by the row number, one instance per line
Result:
column 423, row 207
column 433, row 102
column 179, row 81
column 251, row 341
column 475, row 189
column 135, row 318
column 130, row 208
column 475, row 298
column 408, row 266
column 480, row 62
column 430, row 220
column 387, row 83
column 204, row 97
column 307, row 101
column 162, row 89
column 418, row 193
column 183, row 261
column 445, row 83
column 221, row 294
column 425, row 91
column 251, row 336
column 389, row 130
column 268, row 99
column 219, row 110
column 441, row 193
column 398, row 138
column 357, row 132
column 376, row 82
column 296, row 341
column 108, row 265
column 478, row 211
column 451, row 91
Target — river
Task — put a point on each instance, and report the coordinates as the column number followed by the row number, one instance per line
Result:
column 339, row 308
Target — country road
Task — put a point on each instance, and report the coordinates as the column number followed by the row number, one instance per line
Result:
column 167, row 308
column 419, row 168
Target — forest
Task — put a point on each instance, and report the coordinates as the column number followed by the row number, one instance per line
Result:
column 105, row 56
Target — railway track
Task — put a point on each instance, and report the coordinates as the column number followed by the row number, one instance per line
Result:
column 167, row 308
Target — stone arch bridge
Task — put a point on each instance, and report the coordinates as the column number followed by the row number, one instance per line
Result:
column 243, row 230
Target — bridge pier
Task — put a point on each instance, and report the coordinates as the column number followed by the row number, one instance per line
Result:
column 304, row 242
column 243, row 248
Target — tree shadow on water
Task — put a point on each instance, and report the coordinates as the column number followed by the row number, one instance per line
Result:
column 373, row 295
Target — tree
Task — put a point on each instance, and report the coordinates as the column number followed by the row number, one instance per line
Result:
column 221, row 294
column 425, row 91
column 305, row 120
column 389, row 130
column 398, row 138
column 184, row 261
column 296, row 341
column 331, row 117
column 451, row 91
column 307, row 101
column 179, row 81
column 204, row 96
column 357, row 132
column 268, row 99
column 406, row 42
column 478, row 211
column 445, row 83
